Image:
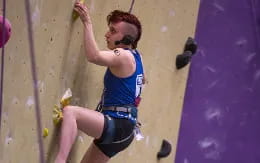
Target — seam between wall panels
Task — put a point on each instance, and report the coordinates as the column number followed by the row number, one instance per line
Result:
column 254, row 14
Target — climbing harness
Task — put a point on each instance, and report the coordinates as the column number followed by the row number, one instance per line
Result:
column 125, row 109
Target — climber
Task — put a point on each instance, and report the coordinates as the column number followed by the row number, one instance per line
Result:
column 113, row 123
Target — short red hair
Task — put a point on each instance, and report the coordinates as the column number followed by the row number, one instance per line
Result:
column 121, row 16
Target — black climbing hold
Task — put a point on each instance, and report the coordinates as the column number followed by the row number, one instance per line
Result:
column 190, row 49
column 183, row 59
column 191, row 45
column 165, row 150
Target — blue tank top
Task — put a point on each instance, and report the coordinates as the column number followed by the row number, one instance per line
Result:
column 123, row 91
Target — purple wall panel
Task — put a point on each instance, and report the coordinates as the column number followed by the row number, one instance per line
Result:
column 221, row 113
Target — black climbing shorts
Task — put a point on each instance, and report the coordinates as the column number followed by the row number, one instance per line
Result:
column 117, row 135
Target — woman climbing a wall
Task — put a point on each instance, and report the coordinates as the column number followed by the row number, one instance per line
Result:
column 112, row 125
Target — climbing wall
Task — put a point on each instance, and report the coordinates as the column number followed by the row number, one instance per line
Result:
column 61, row 64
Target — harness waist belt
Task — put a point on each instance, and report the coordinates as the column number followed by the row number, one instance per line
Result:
column 118, row 108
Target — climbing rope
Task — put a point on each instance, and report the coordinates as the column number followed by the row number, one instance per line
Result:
column 254, row 14
column 131, row 7
column 2, row 61
column 34, row 76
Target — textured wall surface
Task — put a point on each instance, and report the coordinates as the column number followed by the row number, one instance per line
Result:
column 221, row 109
column 61, row 64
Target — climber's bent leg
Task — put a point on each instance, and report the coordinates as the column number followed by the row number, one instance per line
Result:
column 74, row 118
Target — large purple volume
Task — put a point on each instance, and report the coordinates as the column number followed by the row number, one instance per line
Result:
column 221, row 113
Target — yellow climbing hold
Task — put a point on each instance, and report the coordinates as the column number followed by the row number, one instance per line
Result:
column 45, row 132
column 66, row 98
column 57, row 115
column 57, row 110
column 75, row 15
